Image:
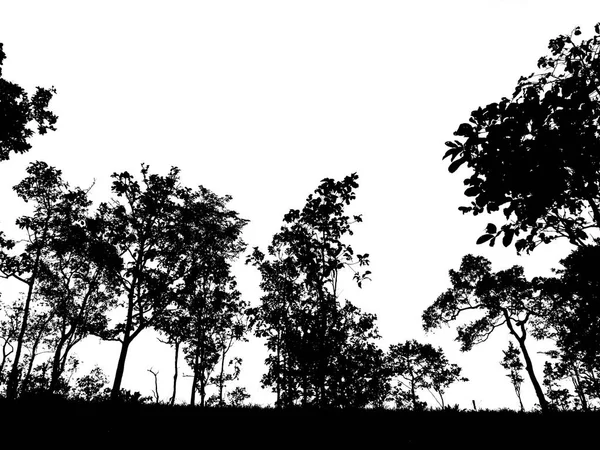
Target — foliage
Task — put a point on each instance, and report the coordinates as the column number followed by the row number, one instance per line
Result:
column 141, row 223
column 50, row 231
column 504, row 298
column 571, row 305
column 92, row 387
column 18, row 112
column 318, row 346
column 512, row 363
column 535, row 155
column 416, row 366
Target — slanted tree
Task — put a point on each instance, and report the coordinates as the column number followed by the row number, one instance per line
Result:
column 18, row 112
column 414, row 366
column 505, row 298
column 534, row 155
column 513, row 365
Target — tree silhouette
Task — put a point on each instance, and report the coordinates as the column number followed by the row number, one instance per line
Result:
column 18, row 111
column 512, row 363
column 535, row 155
column 208, row 310
column 505, row 298
column 47, row 226
column 571, row 305
column 312, row 337
column 142, row 221
column 417, row 366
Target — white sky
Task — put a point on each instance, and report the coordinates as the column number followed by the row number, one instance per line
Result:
column 263, row 99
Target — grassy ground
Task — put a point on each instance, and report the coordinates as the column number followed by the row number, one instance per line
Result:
column 78, row 424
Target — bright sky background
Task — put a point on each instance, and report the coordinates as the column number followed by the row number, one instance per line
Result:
column 263, row 99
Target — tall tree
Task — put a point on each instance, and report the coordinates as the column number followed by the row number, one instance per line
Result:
column 77, row 288
column 142, row 221
column 506, row 298
column 535, row 154
column 206, row 241
column 571, row 317
column 47, row 191
column 301, row 314
column 18, row 111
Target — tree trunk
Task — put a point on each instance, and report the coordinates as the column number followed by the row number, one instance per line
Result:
column 195, row 379
column 13, row 377
column 579, row 389
column 532, row 377
column 528, row 364
column 222, row 377
column 518, row 392
column 175, row 373
column 278, row 381
column 116, row 389
column 56, row 365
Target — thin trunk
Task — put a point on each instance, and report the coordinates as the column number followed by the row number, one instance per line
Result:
column 528, row 363
column 195, row 379
column 518, row 392
column 222, row 375
column 5, row 354
column 278, row 385
column 175, row 373
column 13, row 378
column 579, row 389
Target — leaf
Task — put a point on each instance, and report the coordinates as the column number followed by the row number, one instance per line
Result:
column 508, row 237
column 452, row 152
column 491, row 228
column 484, row 238
column 472, row 191
column 456, row 164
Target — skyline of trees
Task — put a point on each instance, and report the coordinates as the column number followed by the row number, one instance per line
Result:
column 158, row 256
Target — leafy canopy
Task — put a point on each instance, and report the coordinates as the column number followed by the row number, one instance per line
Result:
column 535, row 155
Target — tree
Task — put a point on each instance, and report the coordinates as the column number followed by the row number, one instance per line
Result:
column 141, row 223
column 47, row 191
column 512, row 363
column 506, row 298
column 91, row 387
column 306, row 327
column 18, row 111
column 417, row 366
column 571, row 317
column 207, row 305
column 535, row 155
column 9, row 330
